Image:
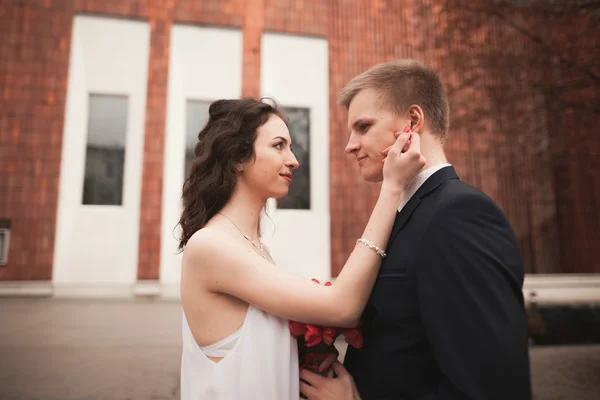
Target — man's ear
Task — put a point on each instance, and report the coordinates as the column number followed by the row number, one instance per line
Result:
column 417, row 118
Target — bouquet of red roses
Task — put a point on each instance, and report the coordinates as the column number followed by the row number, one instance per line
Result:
column 315, row 342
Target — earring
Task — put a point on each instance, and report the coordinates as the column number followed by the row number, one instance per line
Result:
column 239, row 168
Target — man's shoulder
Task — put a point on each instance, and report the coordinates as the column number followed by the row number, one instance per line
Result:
column 456, row 192
column 455, row 196
column 458, row 188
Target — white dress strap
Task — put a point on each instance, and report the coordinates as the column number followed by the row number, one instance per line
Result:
column 223, row 346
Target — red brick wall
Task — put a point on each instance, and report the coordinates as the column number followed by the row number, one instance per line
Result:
column 510, row 136
column 360, row 33
column 539, row 77
column 156, row 106
column 253, row 17
column 33, row 79
column 575, row 143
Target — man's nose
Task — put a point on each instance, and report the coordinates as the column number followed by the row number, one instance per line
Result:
column 352, row 146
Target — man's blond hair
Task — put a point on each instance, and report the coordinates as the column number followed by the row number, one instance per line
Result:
column 400, row 84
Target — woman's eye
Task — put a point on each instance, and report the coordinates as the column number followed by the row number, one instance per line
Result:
column 278, row 146
column 364, row 127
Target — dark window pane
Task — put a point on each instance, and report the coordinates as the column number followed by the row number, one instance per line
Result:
column 195, row 119
column 298, row 197
column 105, row 152
column 3, row 246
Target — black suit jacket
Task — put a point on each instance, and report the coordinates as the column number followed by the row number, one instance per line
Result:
column 446, row 318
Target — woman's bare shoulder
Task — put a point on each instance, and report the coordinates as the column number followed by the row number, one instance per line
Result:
column 211, row 244
column 201, row 244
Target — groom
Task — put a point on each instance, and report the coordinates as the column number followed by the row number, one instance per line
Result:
column 446, row 318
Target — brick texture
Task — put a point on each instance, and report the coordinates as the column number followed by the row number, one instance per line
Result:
column 156, row 105
column 550, row 196
column 33, row 79
column 253, row 28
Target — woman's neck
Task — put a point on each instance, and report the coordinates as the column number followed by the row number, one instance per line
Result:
column 243, row 210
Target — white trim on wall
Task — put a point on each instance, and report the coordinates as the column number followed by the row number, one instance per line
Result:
column 559, row 289
column 98, row 245
column 26, row 288
column 205, row 64
column 295, row 72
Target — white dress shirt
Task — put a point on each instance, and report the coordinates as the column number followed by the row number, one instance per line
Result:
column 418, row 182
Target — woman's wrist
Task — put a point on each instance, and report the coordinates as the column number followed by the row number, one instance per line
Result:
column 391, row 193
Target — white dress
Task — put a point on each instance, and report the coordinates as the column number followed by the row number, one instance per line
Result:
column 260, row 361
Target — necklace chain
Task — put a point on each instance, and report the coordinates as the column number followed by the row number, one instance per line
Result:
column 259, row 247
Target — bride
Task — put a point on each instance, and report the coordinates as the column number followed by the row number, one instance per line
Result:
column 236, row 301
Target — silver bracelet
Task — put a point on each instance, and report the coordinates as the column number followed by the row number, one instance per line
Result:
column 370, row 245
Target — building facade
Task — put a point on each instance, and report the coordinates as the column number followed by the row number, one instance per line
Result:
column 102, row 100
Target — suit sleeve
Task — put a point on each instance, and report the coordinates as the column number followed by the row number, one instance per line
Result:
column 469, row 281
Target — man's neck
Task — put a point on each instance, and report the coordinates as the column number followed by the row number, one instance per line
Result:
column 433, row 151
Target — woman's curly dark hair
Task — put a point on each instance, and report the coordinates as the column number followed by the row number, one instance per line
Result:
column 226, row 141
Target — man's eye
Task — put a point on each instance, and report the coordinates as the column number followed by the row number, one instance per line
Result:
column 363, row 127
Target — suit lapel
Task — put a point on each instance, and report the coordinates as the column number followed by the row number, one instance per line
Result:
column 403, row 215
column 428, row 187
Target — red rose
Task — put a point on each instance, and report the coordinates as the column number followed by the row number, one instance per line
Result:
column 312, row 336
column 315, row 280
column 328, row 284
column 297, row 328
column 353, row 337
column 329, row 335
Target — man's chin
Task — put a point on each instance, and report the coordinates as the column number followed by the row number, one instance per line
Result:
column 371, row 176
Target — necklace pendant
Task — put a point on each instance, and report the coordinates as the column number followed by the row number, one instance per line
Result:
column 258, row 247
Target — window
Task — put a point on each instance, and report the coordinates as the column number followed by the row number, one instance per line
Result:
column 4, row 241
column 105, row 152
column 298, row 197
column 195, row 119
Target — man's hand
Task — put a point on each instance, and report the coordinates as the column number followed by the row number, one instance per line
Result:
column 328, row 362
column 341, row 387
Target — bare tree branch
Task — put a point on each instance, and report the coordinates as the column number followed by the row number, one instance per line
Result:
column 526, row 32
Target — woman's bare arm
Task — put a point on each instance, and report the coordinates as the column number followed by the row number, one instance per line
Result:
column 225, row 267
